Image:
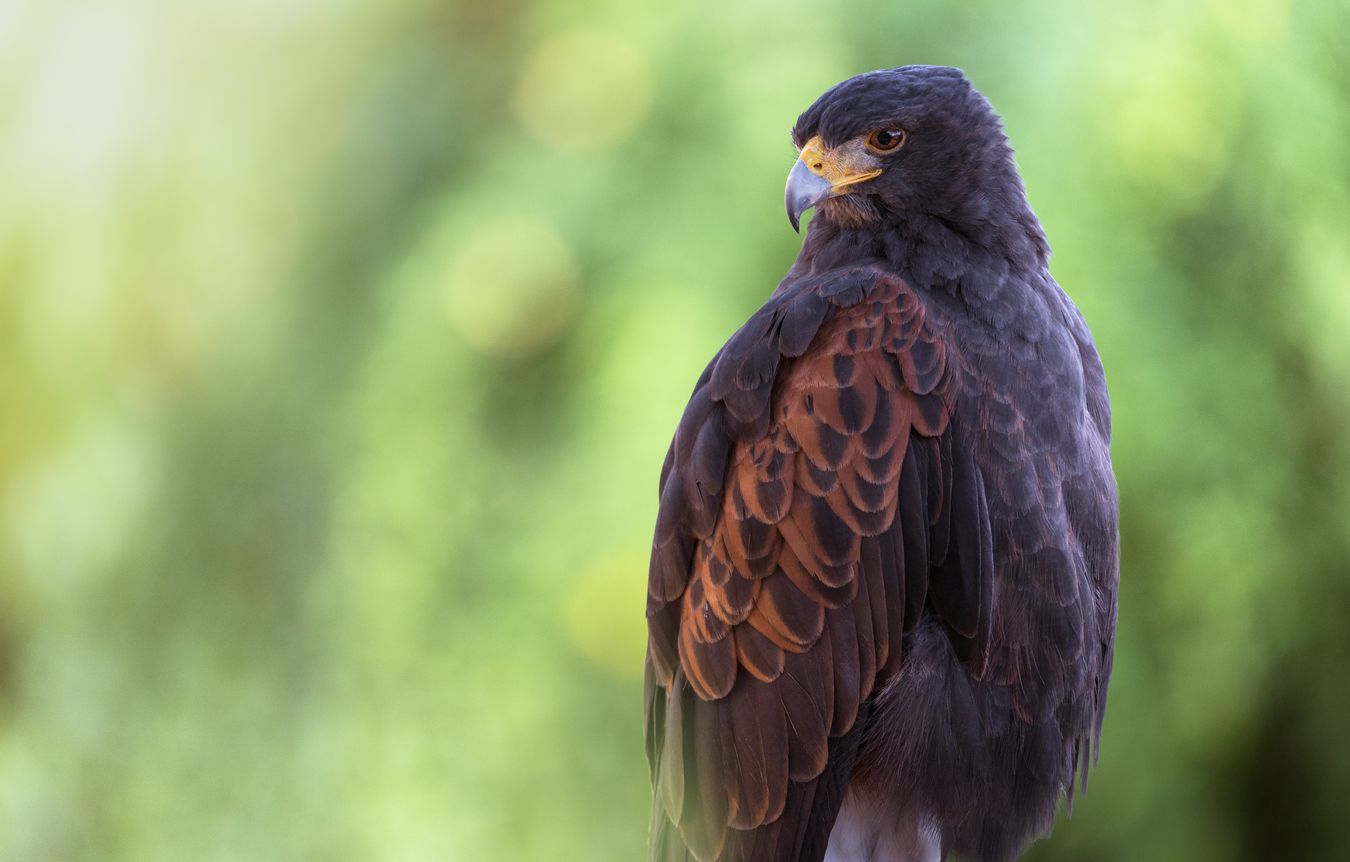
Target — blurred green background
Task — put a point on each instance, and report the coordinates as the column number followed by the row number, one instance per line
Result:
column 341, row 342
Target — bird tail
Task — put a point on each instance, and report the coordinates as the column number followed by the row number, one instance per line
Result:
column 800, row 834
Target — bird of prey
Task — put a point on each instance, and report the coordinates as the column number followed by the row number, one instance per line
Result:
column 882, row 595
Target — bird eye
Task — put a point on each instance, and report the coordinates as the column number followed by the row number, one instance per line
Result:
column 886, row 140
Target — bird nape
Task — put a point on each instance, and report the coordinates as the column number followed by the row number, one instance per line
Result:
column 882, row 594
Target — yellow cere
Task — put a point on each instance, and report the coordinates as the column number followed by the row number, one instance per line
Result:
column 845, row 165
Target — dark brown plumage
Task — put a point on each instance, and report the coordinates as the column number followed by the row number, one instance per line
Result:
column 884, row 569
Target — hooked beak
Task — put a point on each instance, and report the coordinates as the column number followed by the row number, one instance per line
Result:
column 821, row 173
column 804, row 190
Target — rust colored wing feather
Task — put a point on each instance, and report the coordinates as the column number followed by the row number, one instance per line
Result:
column 810, row 491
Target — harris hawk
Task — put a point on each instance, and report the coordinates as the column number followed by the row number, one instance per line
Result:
column 882, row 594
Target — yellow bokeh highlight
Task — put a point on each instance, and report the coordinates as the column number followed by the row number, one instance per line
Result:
column 605, row 619
column 1172, row 124
column 511, row 287
column 584, row 90
column 1256, row 20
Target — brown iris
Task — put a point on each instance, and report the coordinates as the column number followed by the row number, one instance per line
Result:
column 886, row 140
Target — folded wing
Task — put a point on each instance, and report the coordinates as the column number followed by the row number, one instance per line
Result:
column 815, row 500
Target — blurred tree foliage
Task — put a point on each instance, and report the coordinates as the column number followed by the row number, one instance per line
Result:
column 342, row 342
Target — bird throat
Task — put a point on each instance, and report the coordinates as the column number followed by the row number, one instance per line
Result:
column 850, row 211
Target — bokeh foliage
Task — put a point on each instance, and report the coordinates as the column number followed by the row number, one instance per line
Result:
column 340, row 343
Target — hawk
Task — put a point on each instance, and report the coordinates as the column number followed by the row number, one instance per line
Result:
column 882, row 595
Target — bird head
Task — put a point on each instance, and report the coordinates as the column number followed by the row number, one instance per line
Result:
column 898, row 143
